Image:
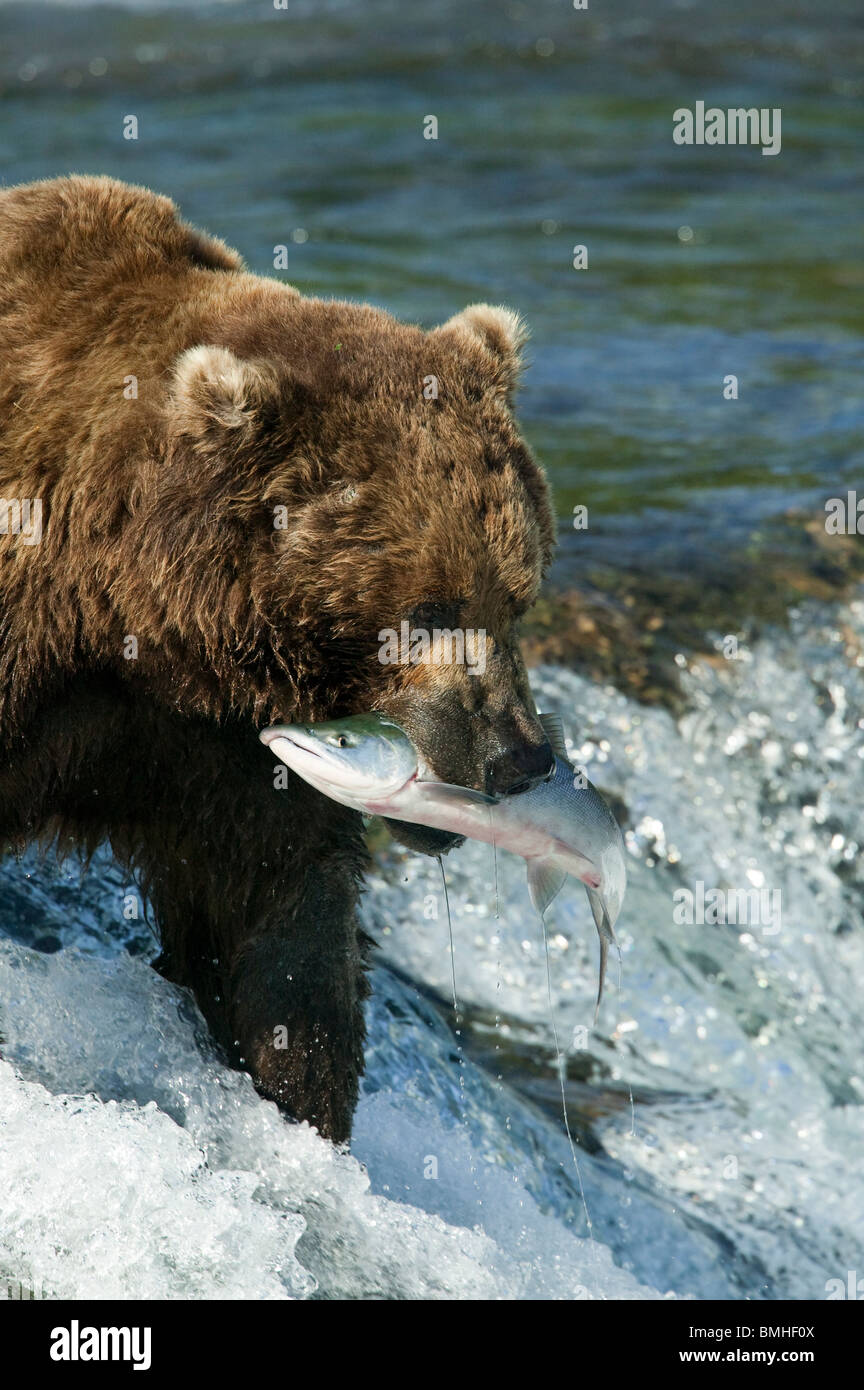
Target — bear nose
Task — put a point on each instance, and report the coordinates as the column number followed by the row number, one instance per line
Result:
column 519, row 768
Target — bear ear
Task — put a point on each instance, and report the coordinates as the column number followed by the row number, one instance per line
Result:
column 216, row 393
column 498, row 330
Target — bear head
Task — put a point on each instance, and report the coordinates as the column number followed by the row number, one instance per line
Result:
column 332, row 485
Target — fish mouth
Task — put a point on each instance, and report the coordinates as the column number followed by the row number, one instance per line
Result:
column 304, row 747
column 268, row 736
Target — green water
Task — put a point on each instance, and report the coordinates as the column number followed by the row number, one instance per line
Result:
column 554, row 130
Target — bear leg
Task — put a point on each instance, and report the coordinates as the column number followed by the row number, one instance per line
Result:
column 296, row 1005
column 252, row 881
column 254, row 892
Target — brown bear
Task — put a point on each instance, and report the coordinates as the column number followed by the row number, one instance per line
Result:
column 214, row 495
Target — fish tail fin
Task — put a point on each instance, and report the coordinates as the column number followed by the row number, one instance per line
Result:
column 606, row 933
column 601, row 916
column 604, row 955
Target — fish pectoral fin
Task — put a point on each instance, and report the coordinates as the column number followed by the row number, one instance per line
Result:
column 445, row 791
column 553, row 728
column 545, row 881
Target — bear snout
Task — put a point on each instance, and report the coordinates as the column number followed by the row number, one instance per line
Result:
column 519, row 767
column 497, row 747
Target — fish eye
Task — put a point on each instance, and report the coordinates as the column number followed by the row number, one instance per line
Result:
column 342, row 741
column 339, row 740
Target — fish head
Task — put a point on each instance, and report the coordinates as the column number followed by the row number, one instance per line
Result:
column 361, row 760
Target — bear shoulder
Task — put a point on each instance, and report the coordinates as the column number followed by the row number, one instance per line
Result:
column 71, row 222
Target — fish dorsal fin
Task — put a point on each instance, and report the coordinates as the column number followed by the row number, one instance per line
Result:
column 553, row 727
column 545, row 881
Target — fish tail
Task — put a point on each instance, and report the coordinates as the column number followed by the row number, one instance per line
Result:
column 604, row 955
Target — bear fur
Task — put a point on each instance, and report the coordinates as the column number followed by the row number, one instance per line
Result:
column 240, row 488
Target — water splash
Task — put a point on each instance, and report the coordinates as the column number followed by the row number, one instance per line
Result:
column 740, row 1047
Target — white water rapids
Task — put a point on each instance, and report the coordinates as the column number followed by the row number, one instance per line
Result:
column 134, row 1164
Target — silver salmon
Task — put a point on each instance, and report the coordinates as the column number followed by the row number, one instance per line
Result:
column 563, row 826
